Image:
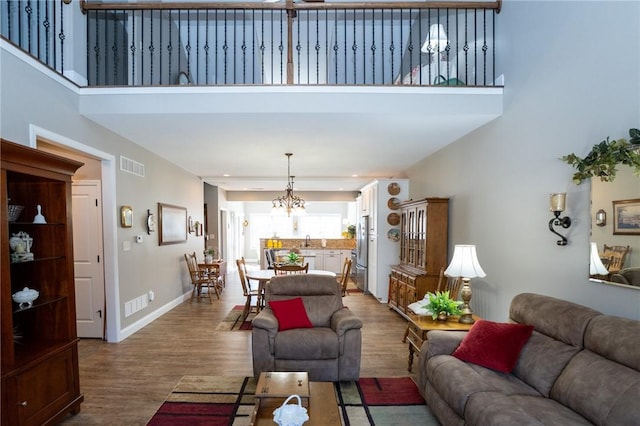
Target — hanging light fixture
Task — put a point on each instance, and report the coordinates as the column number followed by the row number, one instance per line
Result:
column 288, row 203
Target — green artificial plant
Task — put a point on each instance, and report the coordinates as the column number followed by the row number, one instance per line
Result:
column 441, row 302
column 293, row 258
column 604, row 158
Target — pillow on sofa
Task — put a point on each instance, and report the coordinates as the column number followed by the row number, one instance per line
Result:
column 494, row 345
column 290, row 313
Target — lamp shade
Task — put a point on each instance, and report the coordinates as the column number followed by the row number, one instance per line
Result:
column 596, row 267
column 436, row 40
column 464, row 263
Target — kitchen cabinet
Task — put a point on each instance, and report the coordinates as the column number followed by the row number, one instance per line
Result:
column 424, row 227
column 39, row 361
column 332, row 260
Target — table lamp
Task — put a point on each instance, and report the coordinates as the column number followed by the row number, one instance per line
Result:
column 465, row 265
column 596, row 267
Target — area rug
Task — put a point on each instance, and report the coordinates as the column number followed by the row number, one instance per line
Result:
column 232, row 321
column 226, row 400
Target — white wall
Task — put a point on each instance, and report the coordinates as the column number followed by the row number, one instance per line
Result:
column 33, row 98
column 565, row 90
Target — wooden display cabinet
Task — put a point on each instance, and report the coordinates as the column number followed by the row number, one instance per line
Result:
column 424, row 227
column 39, row 365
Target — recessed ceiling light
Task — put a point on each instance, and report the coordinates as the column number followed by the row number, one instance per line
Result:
column 226, row 174
column 354, row 175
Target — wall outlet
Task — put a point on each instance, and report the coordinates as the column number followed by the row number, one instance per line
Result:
column 151, row 296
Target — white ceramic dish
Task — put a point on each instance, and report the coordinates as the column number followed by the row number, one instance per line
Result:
column 25, row 297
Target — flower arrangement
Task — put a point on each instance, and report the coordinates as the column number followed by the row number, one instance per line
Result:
column 441, row 303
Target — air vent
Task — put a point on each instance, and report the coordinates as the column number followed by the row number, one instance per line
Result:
column 131, row 166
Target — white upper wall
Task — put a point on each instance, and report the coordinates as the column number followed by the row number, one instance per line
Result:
column 565, row 90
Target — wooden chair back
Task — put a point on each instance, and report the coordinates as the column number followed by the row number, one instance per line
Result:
column 288, row 269
column 614, row 257
column 344, row 277
column 242, row 272
column 450, row 284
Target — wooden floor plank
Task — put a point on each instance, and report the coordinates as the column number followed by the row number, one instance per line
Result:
column 125, row 383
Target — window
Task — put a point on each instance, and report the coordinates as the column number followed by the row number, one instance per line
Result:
column 264, row 225
column 320, row 226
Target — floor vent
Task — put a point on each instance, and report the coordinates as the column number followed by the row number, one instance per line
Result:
column 131, row 166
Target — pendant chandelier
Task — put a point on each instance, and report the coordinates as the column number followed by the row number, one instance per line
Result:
column 288, row 203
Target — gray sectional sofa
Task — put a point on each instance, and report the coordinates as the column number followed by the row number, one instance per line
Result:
column 579, row 367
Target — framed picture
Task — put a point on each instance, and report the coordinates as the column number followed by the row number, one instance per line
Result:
column 626, row 217
column 126, row 216
column 172, row 227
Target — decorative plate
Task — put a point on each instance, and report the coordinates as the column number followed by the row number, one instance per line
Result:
column 393, row 203
column 393, row 188
column 393, row 234
column 393, row 219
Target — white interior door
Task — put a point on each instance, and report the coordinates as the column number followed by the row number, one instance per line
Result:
column 87, row 255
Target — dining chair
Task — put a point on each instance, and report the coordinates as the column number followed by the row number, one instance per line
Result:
column 243, row 265
column 201, row 280
column 248, row 292
column 450, row 284
column 344, row 277
column 271, row 259
column 290, row 269
column 616, row 255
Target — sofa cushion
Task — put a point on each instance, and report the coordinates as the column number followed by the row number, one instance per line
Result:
column 541, row 361
column 494, row 345
column 457, row 380
column 549, row 316
column 307, row 344
column 322, row 295
column 603, row 391
column 603, row 381
column 290, row 314
column 498, row 409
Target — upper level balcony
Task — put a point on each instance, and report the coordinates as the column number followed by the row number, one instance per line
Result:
column 260, row 43
column 428, row 71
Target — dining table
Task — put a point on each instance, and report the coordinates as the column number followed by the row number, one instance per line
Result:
column 263, row 276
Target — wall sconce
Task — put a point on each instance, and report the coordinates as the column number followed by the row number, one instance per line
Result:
column 601, row 218
column 557, row 205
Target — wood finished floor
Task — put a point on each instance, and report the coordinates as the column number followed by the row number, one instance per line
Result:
column 125, row 383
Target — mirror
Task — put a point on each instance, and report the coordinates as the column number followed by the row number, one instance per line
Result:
column 626, row 231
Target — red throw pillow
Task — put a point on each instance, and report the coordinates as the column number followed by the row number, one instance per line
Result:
column 290, row 314
column 494, row 345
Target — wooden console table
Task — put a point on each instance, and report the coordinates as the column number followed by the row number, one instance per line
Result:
column 420, row 325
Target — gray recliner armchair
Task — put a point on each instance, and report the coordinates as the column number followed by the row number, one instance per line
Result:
column 329, row 351
column 628, row 276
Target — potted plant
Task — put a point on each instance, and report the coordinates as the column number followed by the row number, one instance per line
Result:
column 209, row 255
column 293, row 258
column 604, row 157
column 351, row 230
column 441, row 305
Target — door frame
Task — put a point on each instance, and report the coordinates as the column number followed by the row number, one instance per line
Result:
column 113, row 332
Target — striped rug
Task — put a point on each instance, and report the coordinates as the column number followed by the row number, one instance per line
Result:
column 226, row 400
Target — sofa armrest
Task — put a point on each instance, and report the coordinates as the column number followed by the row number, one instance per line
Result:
column 440, row 342
column 266, row 320
column 344, row 320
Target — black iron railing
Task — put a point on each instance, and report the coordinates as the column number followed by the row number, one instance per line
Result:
column 306, row 43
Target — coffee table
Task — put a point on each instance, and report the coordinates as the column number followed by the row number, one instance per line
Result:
column 420, row 325
column 322, row 407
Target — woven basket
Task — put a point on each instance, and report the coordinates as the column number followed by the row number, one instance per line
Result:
column 14, row 212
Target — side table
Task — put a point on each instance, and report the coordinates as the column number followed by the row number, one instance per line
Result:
column 420, row 325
